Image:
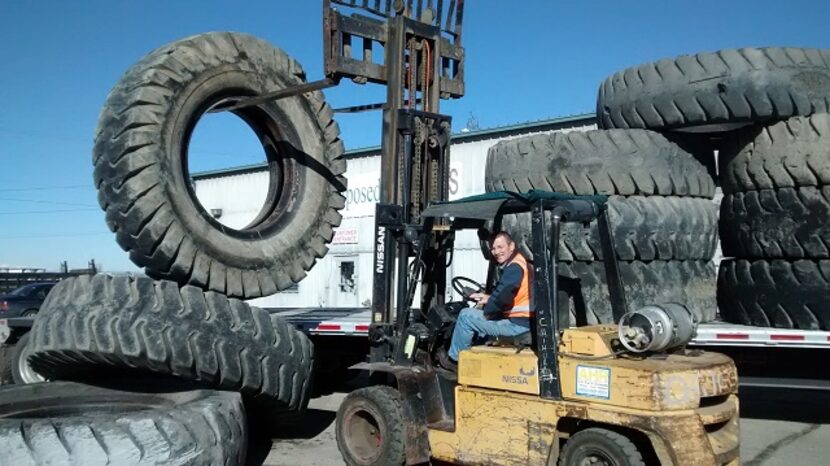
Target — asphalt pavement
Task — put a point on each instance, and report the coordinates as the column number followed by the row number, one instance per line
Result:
column 778, row 427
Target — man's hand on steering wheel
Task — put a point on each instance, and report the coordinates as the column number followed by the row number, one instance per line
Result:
column 480, row 298
column 469, row 289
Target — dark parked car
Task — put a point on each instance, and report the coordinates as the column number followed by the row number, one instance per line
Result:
column 24, row 301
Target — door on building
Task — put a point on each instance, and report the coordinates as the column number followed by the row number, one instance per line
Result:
column 345, row 282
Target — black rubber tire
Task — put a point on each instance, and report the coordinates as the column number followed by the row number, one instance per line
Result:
column 717, row 89
column 102, row 325
column 73, row 423
column 144, row 186
column 22, row 371
column 786, row 223
column 776, row 293
column 787, row 154
column 624, row 162
column 377, row 407
column 691, row 283
column 644, row 228
column 614, row 448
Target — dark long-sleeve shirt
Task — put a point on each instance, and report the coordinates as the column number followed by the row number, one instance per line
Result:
column 501, row 299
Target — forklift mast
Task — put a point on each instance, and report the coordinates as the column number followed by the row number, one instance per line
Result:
column 422, row 63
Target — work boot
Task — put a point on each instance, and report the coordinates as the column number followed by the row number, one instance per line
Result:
column 445, row 361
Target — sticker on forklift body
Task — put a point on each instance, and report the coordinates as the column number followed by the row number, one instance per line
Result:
column 593, row 381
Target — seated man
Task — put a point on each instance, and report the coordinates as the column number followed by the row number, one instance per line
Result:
column 506, row 311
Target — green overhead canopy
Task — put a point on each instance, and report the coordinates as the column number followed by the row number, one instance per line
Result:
column 487, row 206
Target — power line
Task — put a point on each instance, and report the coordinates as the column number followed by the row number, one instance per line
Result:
column 56, row 211
column 62, row 235
column 46, row 202
column 48, row 188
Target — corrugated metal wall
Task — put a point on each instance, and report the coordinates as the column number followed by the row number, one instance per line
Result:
column 240, row 197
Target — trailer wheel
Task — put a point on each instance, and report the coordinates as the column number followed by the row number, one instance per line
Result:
column 716, row 91
column 73, row 423
column 370, row 429
column 597, row 446
column 22, row 371
column 144, row 183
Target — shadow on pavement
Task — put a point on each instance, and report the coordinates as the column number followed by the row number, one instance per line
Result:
column 785, row 404
column 312, row 424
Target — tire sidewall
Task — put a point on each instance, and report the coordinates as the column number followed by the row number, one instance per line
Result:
column 389, row 452
column 293, row 118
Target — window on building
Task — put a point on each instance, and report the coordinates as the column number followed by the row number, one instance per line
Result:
column 347, row 277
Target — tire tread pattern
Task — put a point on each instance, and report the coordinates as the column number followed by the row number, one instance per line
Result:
column 726, row 86
column 128, row 168
column 775, row 293
column 102, row 323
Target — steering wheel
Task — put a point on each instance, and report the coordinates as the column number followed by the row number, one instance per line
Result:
column 459, row 284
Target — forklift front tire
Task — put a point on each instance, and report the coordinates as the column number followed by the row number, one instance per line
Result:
column 600, row 446
column 370, row 427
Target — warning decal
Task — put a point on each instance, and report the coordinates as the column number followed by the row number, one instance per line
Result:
column 593, row 381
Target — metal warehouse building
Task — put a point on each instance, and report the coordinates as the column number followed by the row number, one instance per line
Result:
column 344, row 277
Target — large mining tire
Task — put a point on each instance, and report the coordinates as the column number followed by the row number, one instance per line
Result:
column 644, row 228
column 787, row 154
column 786, row 223
column 691, row 283
column 717, row 90
column 624, row 162
column 73, row 423
column 658, row 206
column 94, row 326
column 775, row 293
column 143, row 181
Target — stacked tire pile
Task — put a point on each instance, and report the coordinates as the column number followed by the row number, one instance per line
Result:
column 663, row 220
column 173, row 370
column 765, row 111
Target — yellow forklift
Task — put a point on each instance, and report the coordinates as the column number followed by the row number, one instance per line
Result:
column 619, row 395
column 626, row 394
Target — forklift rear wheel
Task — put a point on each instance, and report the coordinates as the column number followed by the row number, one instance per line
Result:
column 370, row 428
column 596, row 446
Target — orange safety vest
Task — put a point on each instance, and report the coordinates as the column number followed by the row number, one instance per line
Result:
column 521, row 302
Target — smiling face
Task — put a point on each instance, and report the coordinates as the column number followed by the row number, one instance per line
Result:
column 502, row 249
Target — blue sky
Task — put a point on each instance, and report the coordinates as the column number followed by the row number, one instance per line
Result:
column 526, row 60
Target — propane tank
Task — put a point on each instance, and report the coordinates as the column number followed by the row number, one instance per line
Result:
column 657, row 328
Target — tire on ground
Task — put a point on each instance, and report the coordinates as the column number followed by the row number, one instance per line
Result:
column 775, row 293
column 377, row 407
column 786, row 223
column 690, row 283
column 600, row 446
column 93, row 326
column 140, row 158
column 787, row 154
column 644, row 228
column 717, row 89
column 622, row 162
column 73, row 423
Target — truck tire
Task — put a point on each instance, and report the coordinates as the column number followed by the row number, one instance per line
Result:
column 787, row 154
column 691, row 283
column 22, row 371
column 140, row 158
column 6, row 377
column 623, row 162
column 73, row 423
column 716, row 90
column 370, row 428
column 775, row 293
column 644, row 228
column 786, row 223
column 98, row 325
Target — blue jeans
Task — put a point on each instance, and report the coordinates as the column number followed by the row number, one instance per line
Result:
column 471, row 322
